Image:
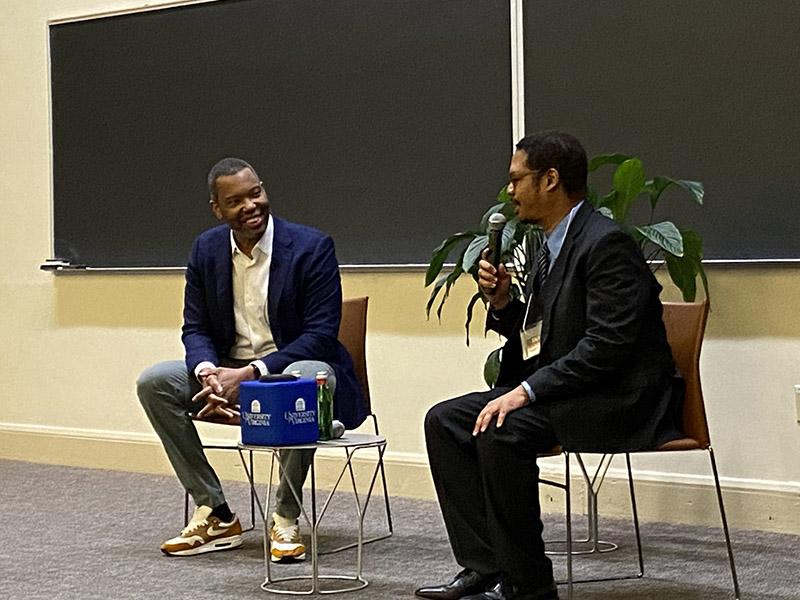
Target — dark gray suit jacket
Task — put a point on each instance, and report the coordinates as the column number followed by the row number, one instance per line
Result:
column 605, row 372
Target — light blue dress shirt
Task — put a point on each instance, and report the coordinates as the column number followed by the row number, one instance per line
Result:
column 555, row 241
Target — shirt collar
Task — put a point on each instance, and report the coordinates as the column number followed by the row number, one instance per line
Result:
column 264, row 244
column 556, row 238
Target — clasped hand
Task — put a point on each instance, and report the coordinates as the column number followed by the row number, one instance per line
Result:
column 221, row 392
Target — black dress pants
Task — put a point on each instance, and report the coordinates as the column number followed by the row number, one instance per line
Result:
column 487, row 486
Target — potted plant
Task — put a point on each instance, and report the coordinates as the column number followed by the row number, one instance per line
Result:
column 662, row 243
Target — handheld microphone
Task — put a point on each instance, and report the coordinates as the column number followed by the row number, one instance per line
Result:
column 496, row 224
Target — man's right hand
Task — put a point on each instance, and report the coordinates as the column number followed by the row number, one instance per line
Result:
column 217, row 405
column 494, row 283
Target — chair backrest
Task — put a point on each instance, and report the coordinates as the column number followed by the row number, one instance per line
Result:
column 353, row 336
column 685, row 323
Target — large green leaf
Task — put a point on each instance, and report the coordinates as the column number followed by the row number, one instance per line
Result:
column 628, row 182
column 509, row 235
column 664, row 235
column 450, row 281
column 435, row 292
column 445, row 282
column 606, row 159
column 695, row 188
column 655, row 187
column 507, row 210
column 658, row 185
column 683, row 270
column 683, row 275
column 485, row 218
column 491, row 368
column 478, row 296
column 525, row 231
column 608, row 200
column 604, row 210
column 441, row 253
column 469, row 262
column 503, row 196
column 693, row 250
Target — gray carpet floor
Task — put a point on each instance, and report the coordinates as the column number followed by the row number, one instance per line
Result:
column 84, row 534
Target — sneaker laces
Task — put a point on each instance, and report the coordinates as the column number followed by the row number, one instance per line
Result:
column 193, row 525
column 286, row 533
column 199, row 519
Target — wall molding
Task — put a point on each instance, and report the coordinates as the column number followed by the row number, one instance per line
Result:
column 678, row 498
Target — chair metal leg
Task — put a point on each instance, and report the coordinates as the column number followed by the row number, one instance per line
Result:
column 567, row 520
column 569, row 542
column 591, row 544
column 383, row 481
column 568, row 511
column 635, row 514
column 724, row 523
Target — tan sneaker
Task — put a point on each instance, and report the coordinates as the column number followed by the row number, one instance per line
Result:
column 285, row 541
column 204, row 533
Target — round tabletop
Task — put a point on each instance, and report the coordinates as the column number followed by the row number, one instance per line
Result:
column 348, row 440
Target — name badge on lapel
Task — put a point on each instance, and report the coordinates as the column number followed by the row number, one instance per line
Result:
column 531, row 338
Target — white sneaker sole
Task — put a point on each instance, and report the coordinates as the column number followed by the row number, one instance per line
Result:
column 286, row 558
column 228, row 543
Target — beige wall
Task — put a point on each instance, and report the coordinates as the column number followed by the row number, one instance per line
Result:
column 73, row 345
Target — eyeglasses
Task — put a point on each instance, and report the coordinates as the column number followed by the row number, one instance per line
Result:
column 515, row 180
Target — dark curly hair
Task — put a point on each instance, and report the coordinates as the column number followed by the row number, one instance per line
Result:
column 560, row 151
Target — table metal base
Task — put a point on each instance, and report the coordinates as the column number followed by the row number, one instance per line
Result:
column 351, row 443
column 268, row 587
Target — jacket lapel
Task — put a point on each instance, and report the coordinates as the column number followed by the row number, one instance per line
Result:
column 278, row 273
column 223, row 277
column 555, row 280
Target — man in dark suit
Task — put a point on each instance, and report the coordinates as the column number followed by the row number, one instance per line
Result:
column 262, row 296
column 586, row 365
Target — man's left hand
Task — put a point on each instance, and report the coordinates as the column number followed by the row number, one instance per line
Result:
column 224, row 401
column 500, row 407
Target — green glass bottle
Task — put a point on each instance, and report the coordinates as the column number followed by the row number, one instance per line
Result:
column 324, row 407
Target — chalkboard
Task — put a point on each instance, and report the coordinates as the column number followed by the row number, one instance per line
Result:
column 703, row 90
column 386, row 123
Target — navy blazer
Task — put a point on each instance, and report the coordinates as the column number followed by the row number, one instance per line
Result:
column 605, row 371
column 304, row 306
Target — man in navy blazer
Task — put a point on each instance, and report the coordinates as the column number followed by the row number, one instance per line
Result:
column 586, row 365
column 262, row 296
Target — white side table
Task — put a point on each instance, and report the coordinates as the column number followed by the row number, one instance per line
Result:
column 351, row 443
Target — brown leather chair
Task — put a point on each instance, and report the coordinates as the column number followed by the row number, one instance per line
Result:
column 352, row 335
column 685, row 324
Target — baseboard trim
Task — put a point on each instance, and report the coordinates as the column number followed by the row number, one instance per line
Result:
column 750, row 504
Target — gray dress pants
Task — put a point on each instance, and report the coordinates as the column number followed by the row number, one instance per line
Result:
column 165, row 391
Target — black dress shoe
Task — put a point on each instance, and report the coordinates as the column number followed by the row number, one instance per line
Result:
column 465, row 583
column 503, row 590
